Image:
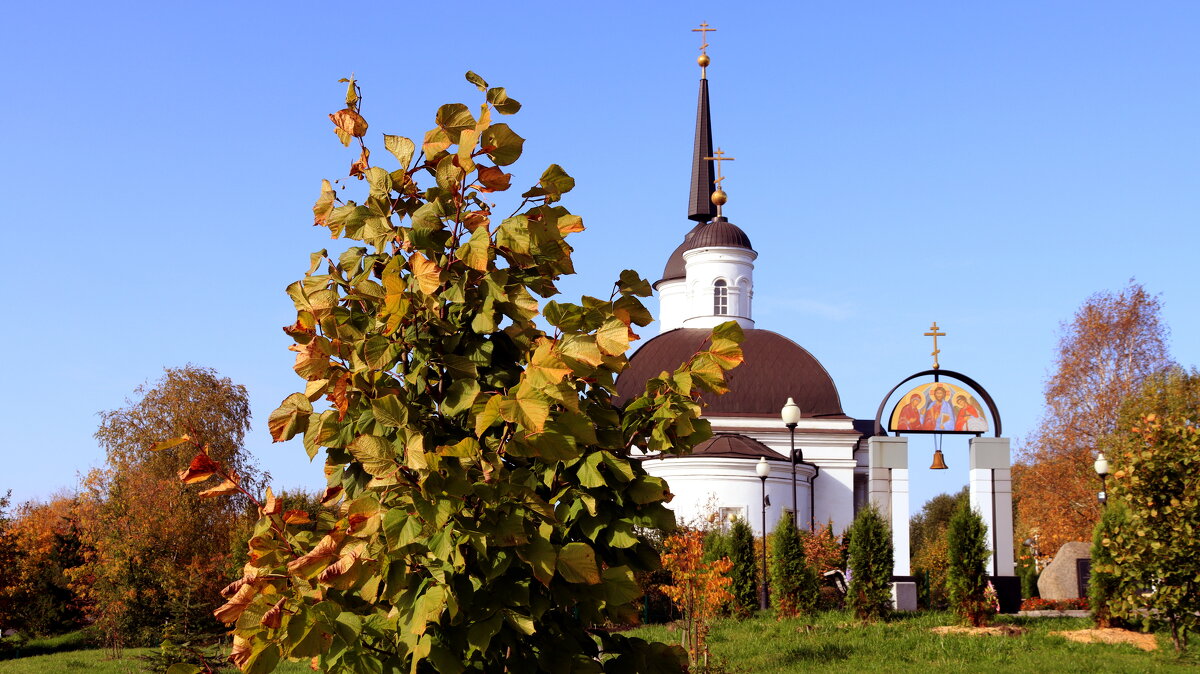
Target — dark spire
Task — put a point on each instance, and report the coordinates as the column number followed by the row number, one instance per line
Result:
column 700, row 205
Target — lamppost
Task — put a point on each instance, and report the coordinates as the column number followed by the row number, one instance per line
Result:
column 1101, row 467
column 763, row 469
column 791, row 416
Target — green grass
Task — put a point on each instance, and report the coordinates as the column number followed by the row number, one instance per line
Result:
column 834, row 642
column 830, row 642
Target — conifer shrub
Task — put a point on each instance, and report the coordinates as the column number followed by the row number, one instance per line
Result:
column 966, row 577
column 793, row 582
column 1105, row 582
column 745, row 579
column 871, row 563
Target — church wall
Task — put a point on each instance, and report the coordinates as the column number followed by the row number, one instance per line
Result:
column 704, row 266
column 701, row 485
column 672, row 305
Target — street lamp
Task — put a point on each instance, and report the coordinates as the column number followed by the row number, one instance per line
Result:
column 1101, row 467
column 791, row 416
column 763, row 469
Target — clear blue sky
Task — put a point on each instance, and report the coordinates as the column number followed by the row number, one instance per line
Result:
column 985, row 165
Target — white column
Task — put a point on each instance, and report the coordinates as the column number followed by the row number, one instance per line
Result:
column 888, row 490
column 991, row 496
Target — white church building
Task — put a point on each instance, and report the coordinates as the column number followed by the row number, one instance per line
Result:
column 842, row 462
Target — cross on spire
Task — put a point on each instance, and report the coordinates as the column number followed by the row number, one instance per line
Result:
column 719, row 156
column 934, row 334
column 704, row 30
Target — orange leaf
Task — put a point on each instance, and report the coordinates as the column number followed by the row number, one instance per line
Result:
column 325, row 550
column 226, row 487
column 233, row 609
column 361, row 164
column 241, row 652
column 330, row 495
column 296, row 517
column 272, row 506
column 200, row 469
column 349, row 122
column 426, row 272
column 493, row 179
column 273, row 618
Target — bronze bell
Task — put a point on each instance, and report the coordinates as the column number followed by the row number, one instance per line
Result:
column 939, row 463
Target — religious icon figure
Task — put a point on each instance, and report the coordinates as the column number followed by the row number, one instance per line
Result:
column 910, row 415
column 939, row 413
column 967, row 415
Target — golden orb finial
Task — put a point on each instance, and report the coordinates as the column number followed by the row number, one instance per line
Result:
column 719, row 197
column 703, row 60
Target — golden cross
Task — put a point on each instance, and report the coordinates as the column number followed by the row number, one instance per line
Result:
column 935, row 334
column 704, row 30
column 720, row 157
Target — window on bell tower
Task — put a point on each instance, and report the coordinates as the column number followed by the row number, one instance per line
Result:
column 720, row 297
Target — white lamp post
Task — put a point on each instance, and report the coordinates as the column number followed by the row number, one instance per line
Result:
column 763, row 469
column 1101, row 467
column 791, row 416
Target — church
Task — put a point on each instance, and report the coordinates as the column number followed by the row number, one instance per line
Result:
column 707, row 280
column 782, row 441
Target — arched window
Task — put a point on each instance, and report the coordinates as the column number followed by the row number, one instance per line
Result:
column 720, row 297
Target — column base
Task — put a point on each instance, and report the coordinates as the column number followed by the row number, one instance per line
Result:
column 904, row 596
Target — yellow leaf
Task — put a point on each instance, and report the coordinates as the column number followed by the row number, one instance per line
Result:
column 233, row 609
column 272, row 506
column 582, row 348
column 427, row 273
column 173, row 442
column 476, row 251
column 613, row 337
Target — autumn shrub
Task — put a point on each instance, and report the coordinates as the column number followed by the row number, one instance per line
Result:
column 871, row 565
column 698, row 588
column 1155, row 544
column 489, row 505
column 930, row 566
column 1039, row 604
column 44, row 546
column 744, row 571
column 794, row 587
column 966, row 577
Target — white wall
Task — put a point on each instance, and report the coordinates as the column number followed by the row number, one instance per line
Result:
column 692, row 480
column 706, row 265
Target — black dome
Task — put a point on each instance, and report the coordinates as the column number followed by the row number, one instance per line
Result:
column 775, row 369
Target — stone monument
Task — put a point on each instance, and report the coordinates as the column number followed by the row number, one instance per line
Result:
column 1060, row 579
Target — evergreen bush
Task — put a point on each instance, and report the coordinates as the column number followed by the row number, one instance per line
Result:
column 745, row 578
column 871, row 564
column 793, row 582
column 966, row 578
column 1105, row 583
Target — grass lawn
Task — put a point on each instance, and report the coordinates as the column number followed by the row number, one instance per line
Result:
column 830, row 642
column 833, row 642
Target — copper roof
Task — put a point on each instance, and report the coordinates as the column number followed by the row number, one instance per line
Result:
column 775, row 368
column 735, row 446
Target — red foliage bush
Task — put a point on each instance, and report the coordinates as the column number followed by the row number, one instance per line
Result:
column 1039, row 604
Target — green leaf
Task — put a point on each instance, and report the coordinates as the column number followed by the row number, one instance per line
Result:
column 173, row 442
column 374, row 453
column 589, row 471
column 476, row 252
column 290, row 417
column 479, row 635
column 389, row 411
column 453, row 118
column 264, row 659
column 499, row 99
column 401, row 148
column 647, row 489
column 460, row 397
column 478, row 81
column 488, row 415
column 540, row 557
column 620, row 586
column 528, row 408
column 505, row 145
column 577, row 564
column 182, row 668
column 632, row 283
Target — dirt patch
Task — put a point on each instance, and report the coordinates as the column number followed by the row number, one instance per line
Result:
column 993, row 631
column 1110, row 635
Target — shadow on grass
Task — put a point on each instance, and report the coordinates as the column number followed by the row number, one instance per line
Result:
column 80, row 640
